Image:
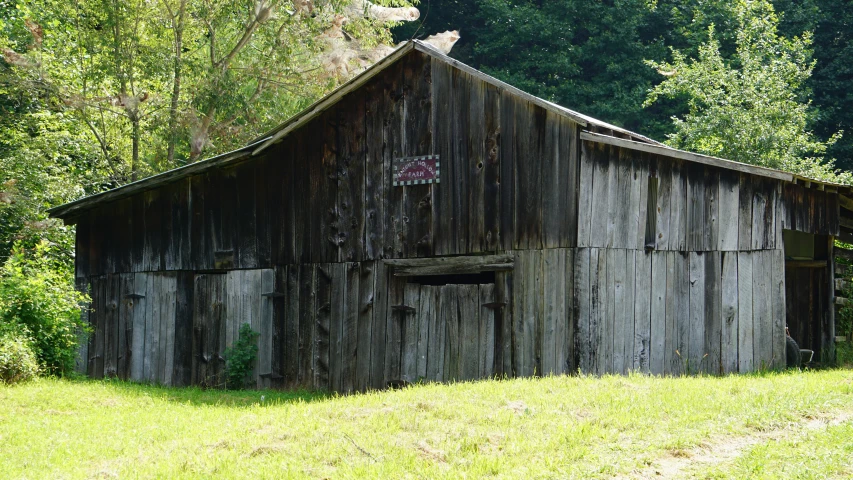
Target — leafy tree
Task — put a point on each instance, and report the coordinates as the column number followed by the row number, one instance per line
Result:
column 750, row 109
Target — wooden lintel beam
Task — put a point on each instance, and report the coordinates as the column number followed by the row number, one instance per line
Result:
column 805, row 264
column 411, row 267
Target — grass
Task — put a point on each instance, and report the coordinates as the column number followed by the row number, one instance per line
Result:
column 554, row 427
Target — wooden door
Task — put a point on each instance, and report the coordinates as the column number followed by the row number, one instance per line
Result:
column 223, row 302
column 448, row 332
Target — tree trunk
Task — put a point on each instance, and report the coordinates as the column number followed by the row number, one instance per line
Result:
column 178, row 24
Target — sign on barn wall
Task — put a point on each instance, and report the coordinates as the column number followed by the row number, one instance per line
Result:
column 416, row 170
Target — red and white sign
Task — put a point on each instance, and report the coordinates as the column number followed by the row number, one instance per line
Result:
column 416, row 170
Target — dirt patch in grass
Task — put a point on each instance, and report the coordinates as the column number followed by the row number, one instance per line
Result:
column 724, row 449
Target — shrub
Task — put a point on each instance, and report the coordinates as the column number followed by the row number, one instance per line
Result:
column 17, row 360
column 240, row 358
column 38, row 301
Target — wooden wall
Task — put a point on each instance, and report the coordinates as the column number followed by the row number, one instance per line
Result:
column 665, row 312
column 699, row 208
column 324, row 194
column 810, row 210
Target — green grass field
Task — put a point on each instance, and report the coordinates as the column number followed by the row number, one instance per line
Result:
column 792, row 425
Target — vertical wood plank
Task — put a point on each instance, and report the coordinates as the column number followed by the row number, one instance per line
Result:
column 469, row 332
column 508, row 112
column 290, row 335
column 696, row 348
column 713, row 309
column 349, row 333
column 394, row 330
column 643, row 311
column 553, row 274
column 556, row 186
column 450, row 319
column 427, row 323
column 628, row 304
column 323, row 315
column 182, row 371
column 612, row 343
column 696, row 207
column 338, row 317
column 760, row 207
column 729, row 312
column 567, row 328
column 582, row 306
column 457, row 169
column 417, row 140
column 351, row 156
column 392, row 113
column 503, row 323
column 682, row 310
column 643, row 168
column 486, row 331
column 492, row 189
column 366, row 307
column 762, row 340
column 137, row 308
column 662, row 230
column 658, row 294
column 745, row 212
column 678, row 207
column 307, row 325
column 409, row 368
column 712, row 225
column 477, row 160
column 728, row 208
column 777, row 292
column 111, row 324
column 442, row 144
column 151, row 249
column 265, row 328
column 585, row 194
column 375, row 171
column 598, row 306
column 745, row 311
column 380, row 325
column 437, row 333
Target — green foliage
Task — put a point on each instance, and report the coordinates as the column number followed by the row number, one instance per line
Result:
column 17, row 360
column 750, row 109
column 240, row 358
column 38, row 300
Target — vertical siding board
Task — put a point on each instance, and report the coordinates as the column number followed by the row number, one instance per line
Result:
column 307, row 324
column 503, row 323
column 585, row 194
column 760, row 205
column 712, row 209
column 435, row 350
column 82, row 232
column 417, row 91
column 762, row 340
column 152, row 238
column 182, row 369
column 832, row 212
column 678, row 207
column 394, row 331
column 262, row 211
column 508, row 112
column 556, row 186
column 324, row 185
column 486, row 331
column 450, row 318
column 137, row 342
column 777, row 285
column 612, row 343
column 350, row 332
column 124, row 239
column 569, row 153
column 469, row 332
column 111, row 323
column 375, row 172
column 198, row 233
column 365, row 312
column 213, row 218
column 229, row 241
column 380, row 315
column 338, row 317
column 409, row 368
column 682, row 308
column 728, row 211
column 168, row 247
column 290, row 339
column 582, row 307
column 599, row 206
column 457, row 169
column 279, row 313
column 745, row 311
column 137, row 257
column 642, row 312
column 492, row 188
column 745, row 212
column 351, row 156
column 442, row 144
column 658, row 313
column 615, row 233
column 729, row 314
column 476, row 166
column 528, row 143
column 662, row 230
column 533, row 314
column 713, row 308
column 643, row 167
column 696, row 347
column 427, row 321
column 554, row 264
column 597, row 311
column 323, row 315
column 696, row 207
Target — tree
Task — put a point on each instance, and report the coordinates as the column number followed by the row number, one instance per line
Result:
column 750, row 109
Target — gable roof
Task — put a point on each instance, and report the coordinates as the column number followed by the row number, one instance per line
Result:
column 261, row 143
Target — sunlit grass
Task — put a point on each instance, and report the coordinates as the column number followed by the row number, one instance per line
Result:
column 536, row 428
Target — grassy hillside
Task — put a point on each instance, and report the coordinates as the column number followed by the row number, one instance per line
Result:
column 776, row 425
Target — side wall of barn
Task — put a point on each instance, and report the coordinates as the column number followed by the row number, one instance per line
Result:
column 680, row 266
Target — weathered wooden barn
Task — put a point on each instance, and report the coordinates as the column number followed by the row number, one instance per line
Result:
column 426, row 221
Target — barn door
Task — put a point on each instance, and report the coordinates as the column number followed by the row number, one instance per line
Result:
column 223, row 303
column 448, row 332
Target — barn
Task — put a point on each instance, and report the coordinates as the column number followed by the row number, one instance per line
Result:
column 425, row 221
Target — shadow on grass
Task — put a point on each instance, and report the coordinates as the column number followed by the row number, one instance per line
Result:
column 196, row 396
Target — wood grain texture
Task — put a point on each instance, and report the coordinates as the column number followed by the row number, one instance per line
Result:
column 745, row 311
column 469, row 331
column 713, row 317
column 642, row 344
column 582, row 307
column 729, row 313
column 486, row 331
column 658, row 317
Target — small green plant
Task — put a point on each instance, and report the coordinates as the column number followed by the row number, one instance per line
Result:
column 17, row 359
column 240, row 358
